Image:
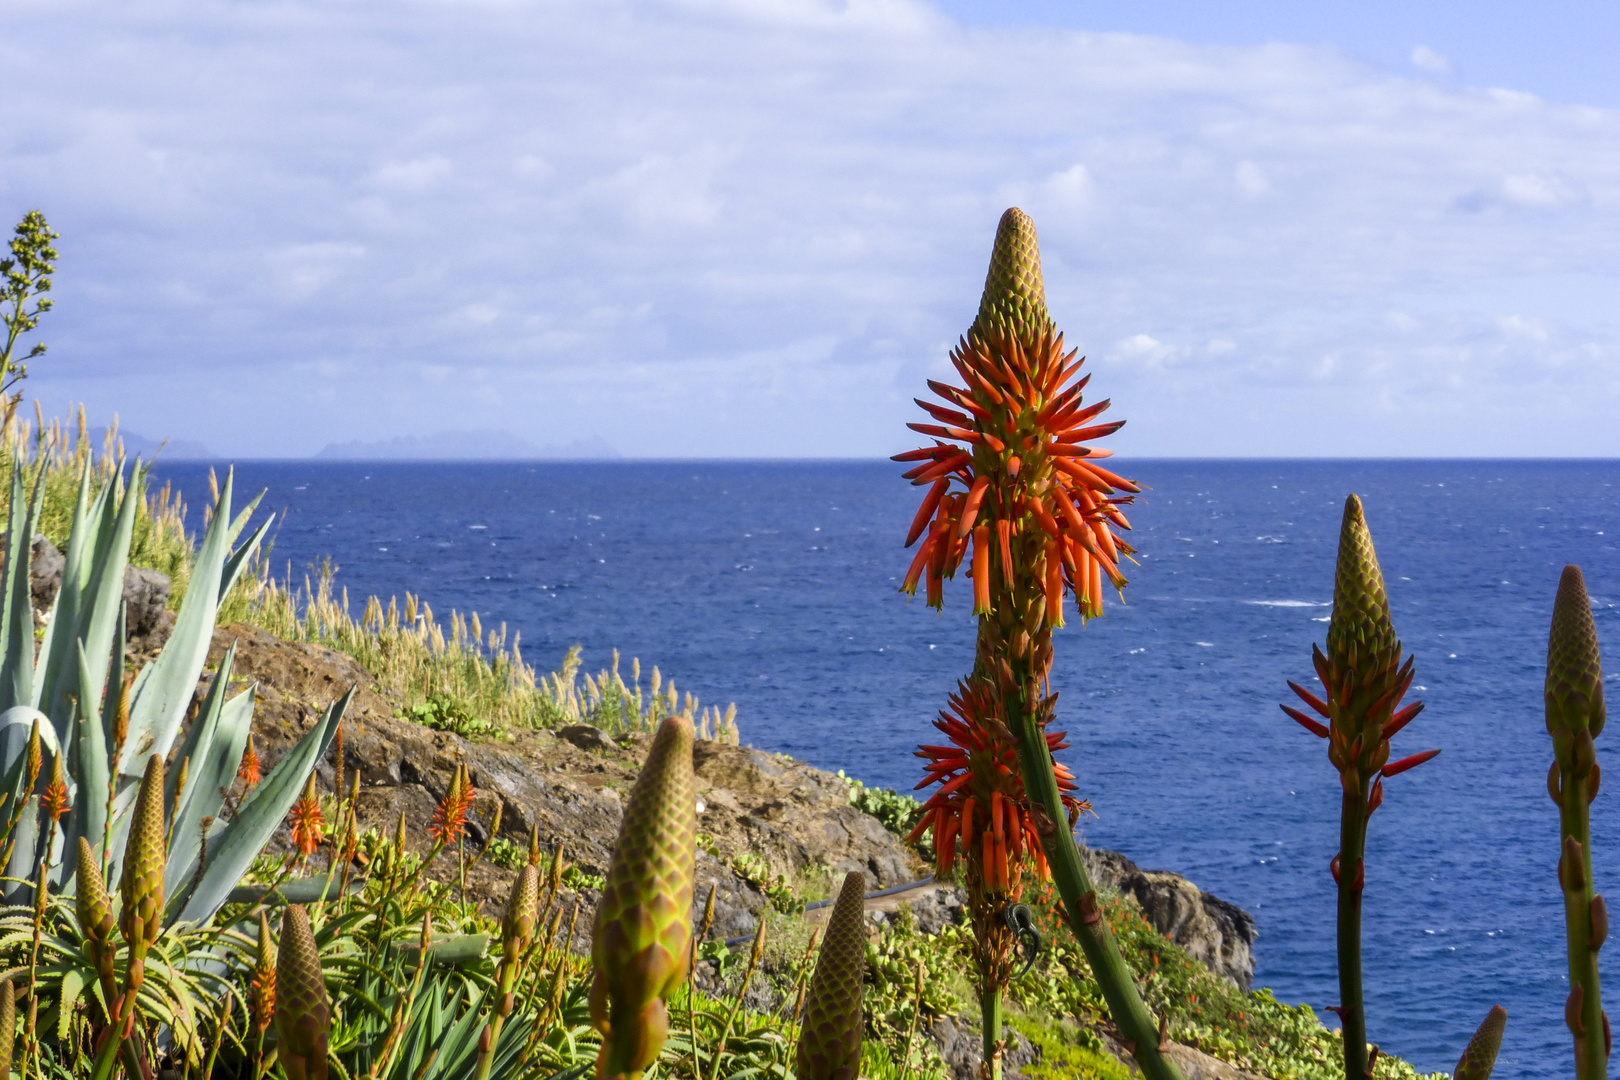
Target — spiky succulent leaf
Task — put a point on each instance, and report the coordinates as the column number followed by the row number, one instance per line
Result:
column 830, row 1042
column 231, row 851
column 17, row 618
column 164, row 687
column 94, row 611
column 643, row 933
column 213, row 748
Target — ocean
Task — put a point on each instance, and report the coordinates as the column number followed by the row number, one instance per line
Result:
column 773, row 585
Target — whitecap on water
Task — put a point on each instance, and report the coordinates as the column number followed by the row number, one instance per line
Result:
column 1287, row 603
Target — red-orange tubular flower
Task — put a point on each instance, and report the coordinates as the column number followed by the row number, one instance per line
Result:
column 1010, row 457
column 980, row 801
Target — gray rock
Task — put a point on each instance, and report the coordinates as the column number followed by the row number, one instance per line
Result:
column 587, row 737
column 1217, row 934
column 146, row 595
column 962, row 1047
column 146, row 592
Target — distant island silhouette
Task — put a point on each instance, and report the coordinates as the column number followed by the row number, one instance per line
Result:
column 467, row 446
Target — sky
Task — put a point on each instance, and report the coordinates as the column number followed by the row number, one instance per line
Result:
column 754, row 228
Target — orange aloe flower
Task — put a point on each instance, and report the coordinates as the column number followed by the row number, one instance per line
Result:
column 1010, row 467
column 308, row 823
column 981, row 800
column 54, row 799
column 248, row 771
column 450, row 819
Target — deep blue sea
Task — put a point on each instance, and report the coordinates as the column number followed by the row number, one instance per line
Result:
column 774, row 585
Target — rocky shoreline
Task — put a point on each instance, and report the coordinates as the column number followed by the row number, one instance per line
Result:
column 793, row 823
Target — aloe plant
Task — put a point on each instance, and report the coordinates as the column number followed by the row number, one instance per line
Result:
column 1025, row 494
column 73, row 691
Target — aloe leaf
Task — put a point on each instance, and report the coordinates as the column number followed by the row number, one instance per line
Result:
column 258, row 816
column 212, row 773
column 296, row 891
column 158, row 701
column 89, row 815
column 103, row 601
column 239, row 558
column 63, row 626
column 196, row 752
column 17, row 664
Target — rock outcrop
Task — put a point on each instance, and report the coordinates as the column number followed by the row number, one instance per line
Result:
column 1217, row 934
column 146, row 592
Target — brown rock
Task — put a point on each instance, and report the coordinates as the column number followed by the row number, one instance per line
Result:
column 1217, row 934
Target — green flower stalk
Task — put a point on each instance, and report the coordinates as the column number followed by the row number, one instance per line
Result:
column 1575, row 716
column 303, row 1018
column 517, row 926
column 830, row 1040
column 1363, row 681
column 643, row 932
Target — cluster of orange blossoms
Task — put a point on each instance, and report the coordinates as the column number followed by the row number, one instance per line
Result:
column 308, row 821
column 1023, row 464
column 981, row 794
column 450, row 818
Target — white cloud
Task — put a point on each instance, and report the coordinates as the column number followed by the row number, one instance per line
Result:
column 1426, row 59
column 679, row 190
column 1251, row 180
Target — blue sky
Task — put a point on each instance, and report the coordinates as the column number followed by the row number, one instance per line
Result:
column 753, row 228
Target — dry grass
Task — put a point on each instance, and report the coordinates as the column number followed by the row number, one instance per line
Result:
column 56, row 452
column 416, row 661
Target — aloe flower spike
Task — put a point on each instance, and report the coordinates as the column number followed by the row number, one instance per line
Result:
column 1575, row 714
column 1479, row 1058
column 93, row 907
column 643, row 933
column 830, row 1041
column 303, row 1018
column 142, row 881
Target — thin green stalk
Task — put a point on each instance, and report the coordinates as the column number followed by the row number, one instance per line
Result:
column 1352, row 878
column 1113, row 975
column 990, row 1012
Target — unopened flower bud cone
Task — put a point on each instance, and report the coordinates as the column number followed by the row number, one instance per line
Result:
column 643, row 933
column 142, row 882
column 303, row 1018
column 830, row 1042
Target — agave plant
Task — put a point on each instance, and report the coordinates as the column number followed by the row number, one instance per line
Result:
column 102, row 727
